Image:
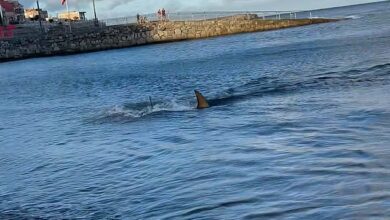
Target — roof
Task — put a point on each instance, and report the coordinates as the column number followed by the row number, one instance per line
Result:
column 8, row 7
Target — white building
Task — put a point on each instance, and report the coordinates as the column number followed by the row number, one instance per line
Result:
column 72, row 16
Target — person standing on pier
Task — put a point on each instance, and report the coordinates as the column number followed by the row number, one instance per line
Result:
column 159, row 14
column 163, row 14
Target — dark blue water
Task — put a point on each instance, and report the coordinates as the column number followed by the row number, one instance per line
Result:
column 299, row 127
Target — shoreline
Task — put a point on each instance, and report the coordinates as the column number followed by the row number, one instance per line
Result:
column 125, row 36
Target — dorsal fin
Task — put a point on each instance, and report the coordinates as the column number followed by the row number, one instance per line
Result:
column 202, row 102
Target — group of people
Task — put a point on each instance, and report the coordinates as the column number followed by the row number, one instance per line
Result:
column 162, row 15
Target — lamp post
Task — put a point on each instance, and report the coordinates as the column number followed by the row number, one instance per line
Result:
column 39, row 16
column 94, row 12
column 69, row 19
column 2, row 20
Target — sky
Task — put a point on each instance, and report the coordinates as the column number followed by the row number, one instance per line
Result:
column 121, row 8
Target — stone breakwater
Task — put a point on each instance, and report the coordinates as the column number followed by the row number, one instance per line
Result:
column 131, row 35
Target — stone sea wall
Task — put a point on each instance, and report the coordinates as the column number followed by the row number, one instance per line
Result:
column 131, row 35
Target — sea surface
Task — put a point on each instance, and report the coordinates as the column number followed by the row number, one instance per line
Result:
column 299, row 127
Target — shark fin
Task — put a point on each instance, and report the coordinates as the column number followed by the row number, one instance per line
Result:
column 202, row 102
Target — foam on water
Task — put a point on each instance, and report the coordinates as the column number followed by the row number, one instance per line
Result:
column 353, row 17
column 134, row 111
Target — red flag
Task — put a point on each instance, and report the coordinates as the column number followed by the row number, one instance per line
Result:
column 63, row 2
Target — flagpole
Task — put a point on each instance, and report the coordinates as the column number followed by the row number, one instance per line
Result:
column 67, row 9
column 94, row 11
column 39, row 16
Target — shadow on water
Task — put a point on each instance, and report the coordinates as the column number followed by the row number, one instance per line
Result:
column 263, row 86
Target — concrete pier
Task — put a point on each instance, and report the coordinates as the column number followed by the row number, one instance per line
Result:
column 122, row 36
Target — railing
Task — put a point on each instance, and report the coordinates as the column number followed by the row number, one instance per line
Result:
column 196, row 16
column 32, row 30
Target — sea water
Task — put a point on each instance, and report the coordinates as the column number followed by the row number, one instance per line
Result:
column 299, row 127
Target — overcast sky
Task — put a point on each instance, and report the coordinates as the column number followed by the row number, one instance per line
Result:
column 120, row 8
